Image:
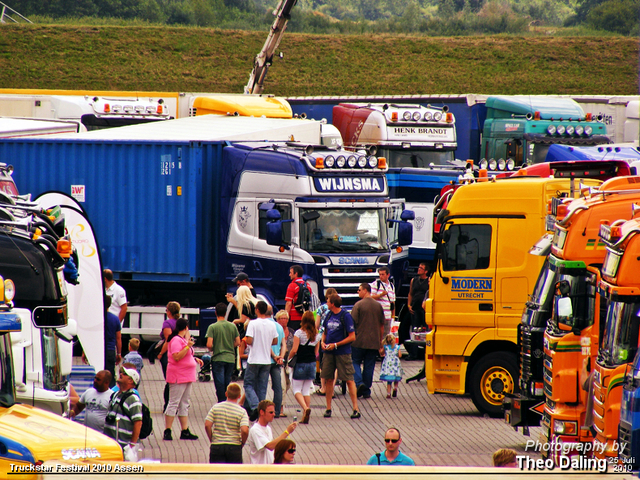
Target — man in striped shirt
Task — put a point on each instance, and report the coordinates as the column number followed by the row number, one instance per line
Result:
column 227, row 426
column 124, row 417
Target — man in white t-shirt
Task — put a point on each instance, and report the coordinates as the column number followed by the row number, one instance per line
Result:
column 261, row 442
column 118, row 295
column 96, row 401
column 384, row 292
column 261, row 335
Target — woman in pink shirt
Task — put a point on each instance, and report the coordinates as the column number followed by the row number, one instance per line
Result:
column 181, row 373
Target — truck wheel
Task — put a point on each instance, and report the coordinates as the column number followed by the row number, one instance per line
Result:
column 492, row 377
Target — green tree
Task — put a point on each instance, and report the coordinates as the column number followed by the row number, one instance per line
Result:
column 619, row 16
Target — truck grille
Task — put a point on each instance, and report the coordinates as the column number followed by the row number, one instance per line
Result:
column 624, row 440
column 346, row 281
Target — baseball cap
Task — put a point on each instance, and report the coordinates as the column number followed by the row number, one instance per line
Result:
column 240, row 277
column 132, row 372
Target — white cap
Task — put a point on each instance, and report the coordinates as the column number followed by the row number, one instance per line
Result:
column 133, row 373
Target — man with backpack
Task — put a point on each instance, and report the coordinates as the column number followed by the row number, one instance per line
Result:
column 339, row 333
column 123, row 421
column 298, row 297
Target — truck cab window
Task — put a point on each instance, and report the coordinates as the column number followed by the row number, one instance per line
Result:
column 285, row 214
column 467, row 247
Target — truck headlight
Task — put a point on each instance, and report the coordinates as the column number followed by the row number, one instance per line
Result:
column 329, row 161
column 561, row 129
column 565, row 428
column 551, row 129
column 9, row 290
column 428, row 116
column 351, row 161
column 511, row 164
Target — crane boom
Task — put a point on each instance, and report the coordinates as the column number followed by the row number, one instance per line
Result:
column 264, row 58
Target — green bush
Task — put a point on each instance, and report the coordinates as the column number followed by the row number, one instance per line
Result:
column 619, row 16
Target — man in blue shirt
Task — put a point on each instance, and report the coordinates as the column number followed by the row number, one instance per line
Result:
column 339, row 333
column 392, row 454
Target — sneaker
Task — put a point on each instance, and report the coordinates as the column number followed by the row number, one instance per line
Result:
column 167, row 434
column 355, row 414
column 187, row 435
column 327, row 413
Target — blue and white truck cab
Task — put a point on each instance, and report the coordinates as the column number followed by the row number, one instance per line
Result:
column 327, row 210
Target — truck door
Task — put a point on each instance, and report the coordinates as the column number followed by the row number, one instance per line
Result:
column 464, row 290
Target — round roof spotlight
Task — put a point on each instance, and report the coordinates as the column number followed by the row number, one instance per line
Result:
column 351, row 161
column 329, row 161
column 341, row 161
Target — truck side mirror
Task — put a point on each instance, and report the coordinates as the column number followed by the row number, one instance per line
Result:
column 405, row 233
column 405, row 229
column 274, row 228
column 564, row 309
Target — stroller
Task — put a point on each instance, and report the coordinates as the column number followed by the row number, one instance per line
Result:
column 205, row 374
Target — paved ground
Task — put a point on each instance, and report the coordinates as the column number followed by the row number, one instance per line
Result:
column 436, row 429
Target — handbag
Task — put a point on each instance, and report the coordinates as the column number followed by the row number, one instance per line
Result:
column 292, row 361
column 154, row 351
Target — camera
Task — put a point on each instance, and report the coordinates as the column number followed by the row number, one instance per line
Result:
column 110, row 419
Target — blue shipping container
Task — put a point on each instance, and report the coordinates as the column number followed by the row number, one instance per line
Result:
column 152, row 204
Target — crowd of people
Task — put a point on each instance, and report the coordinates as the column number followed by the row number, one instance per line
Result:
column 286, row 348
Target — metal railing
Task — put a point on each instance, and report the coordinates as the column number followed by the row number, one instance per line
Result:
column 4, row 15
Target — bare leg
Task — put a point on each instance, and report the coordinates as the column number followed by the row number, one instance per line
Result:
column 353, row 393
column 328, row 388
column 184, row 422
column 168, row 421
column 301, row 401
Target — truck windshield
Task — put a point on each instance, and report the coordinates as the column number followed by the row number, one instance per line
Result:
column 620, row 341
column 7, row 387
column 538, row 309
column 342, row 230
column 415, row 157
column 52, row 380
column 582, row 292
column 537, row 153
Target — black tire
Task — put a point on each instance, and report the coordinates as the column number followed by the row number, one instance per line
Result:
column 491, row 376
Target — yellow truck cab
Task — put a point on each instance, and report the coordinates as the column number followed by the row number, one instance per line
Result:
column 571, row 337
column 30, row 436
column 618, row 346
column 483, row 276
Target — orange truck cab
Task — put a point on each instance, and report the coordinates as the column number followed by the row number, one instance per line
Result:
column 620, row 285
column 571, row 337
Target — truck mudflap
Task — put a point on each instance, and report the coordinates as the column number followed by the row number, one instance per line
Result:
column 519, row 411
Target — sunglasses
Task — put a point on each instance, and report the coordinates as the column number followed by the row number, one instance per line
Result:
column 392, row 440
column 292, row 450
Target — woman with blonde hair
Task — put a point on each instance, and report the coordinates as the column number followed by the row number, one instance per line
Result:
column 306, row 344
column 245, row 304
column 284, row 452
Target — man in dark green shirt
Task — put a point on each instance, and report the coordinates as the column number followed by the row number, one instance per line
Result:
column 222, row 340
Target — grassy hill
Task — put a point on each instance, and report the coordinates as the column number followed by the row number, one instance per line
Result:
column 209, row 60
